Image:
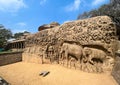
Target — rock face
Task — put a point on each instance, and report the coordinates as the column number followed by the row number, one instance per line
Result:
column 96, row 37
column 116, row 69
column 48, row 26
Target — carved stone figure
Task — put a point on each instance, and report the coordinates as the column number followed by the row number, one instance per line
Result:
column 93, row 54
column 73, row 50
column 82, row 41
column 49, row 51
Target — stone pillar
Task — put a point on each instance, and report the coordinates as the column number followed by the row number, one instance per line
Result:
column 13, row 45
column 18, row 46
column 23, row 44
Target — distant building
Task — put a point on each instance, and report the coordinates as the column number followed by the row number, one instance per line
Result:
column 17, row 44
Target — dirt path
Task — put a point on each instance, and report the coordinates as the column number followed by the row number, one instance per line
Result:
column 28, row 74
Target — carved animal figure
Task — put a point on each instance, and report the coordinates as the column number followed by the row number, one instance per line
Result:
column 72, row 50
column 110, row 61
column 93, row 53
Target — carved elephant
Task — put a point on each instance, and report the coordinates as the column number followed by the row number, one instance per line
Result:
column 72, row 50
column 93, row 53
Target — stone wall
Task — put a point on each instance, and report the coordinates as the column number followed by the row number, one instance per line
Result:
column 116, row 69
column 34, row 54
column 97, row 34
column 9, row 58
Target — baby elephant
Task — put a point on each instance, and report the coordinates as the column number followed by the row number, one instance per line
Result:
column 93, row 53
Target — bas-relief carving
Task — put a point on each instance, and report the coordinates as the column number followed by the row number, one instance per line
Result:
column 86, row 44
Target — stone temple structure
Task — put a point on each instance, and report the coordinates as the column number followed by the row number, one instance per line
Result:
column 88, row 45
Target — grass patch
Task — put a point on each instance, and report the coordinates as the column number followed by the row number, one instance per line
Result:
column 9, row 51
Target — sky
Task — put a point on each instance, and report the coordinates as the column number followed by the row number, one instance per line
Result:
column 28, row 15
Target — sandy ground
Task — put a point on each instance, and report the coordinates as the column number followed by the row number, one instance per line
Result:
column 28, row 74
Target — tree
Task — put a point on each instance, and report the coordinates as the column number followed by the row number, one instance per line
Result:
column 5, row 34
column 19, row 34
column 112, row 10
column 84, row 15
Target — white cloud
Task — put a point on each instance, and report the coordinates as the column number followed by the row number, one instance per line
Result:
column 18, row 30
column 74, row 6
column 19, row 27
column 22, row 24
column 42, row 2
column 11, row 5
column 97, row 2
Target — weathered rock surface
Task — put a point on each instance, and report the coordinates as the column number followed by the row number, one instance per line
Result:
column 116, row 68
column 48, row 26
column 96, row 33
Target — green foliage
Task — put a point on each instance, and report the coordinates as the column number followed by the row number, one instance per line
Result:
column 19, row 34
column 112, row 10
column 5, row 34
